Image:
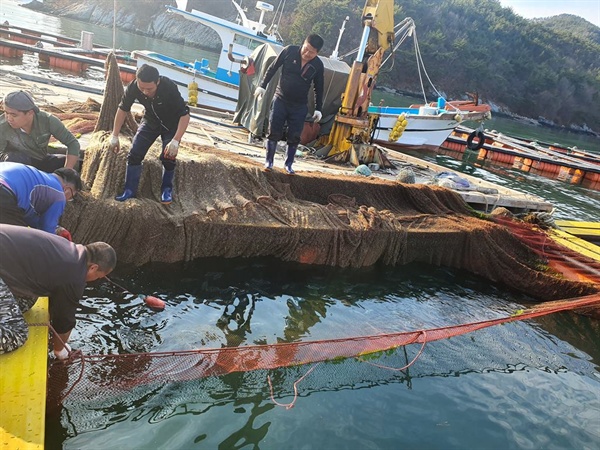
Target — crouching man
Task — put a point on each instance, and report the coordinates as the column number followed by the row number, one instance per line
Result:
column 25, row 133
column 165, row 115
column 37, row 264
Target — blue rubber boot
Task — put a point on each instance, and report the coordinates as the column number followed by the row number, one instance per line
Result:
column 132, row 180
column 271, row 147
column 166, row 188
column 289, row 160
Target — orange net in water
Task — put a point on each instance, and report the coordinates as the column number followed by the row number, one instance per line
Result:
column 84, row 376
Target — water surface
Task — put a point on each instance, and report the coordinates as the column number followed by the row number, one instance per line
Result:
column 533, row 384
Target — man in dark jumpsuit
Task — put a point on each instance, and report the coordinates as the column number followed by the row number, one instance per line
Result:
column 36, row 264
column 300, row 68
column 166, row 115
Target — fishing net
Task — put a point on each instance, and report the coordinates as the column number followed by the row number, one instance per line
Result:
column 113, row 91
column 571, row 264
column 288, row 369
column 225, row 206
column 94, row 379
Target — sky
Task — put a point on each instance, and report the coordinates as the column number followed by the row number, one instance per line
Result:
column 588, row 9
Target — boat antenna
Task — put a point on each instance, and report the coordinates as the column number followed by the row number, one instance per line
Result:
column 334, row 54
column 282, row 3
column 114, row 25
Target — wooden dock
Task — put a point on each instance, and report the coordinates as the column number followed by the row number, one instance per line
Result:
column 551, row 161
column 60, row 52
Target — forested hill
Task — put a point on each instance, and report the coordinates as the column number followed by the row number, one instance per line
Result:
column 573, row 25
column 546, row 68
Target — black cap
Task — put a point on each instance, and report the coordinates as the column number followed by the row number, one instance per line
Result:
column 21, row 101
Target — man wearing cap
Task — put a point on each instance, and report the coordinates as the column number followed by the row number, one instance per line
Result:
column 25, row 132
column 32, row 198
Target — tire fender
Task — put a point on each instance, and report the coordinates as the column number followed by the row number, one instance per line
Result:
column 480, row 140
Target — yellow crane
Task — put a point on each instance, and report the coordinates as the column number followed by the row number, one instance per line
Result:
column 350, row 134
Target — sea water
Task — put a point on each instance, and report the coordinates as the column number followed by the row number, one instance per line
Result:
column 533, row 384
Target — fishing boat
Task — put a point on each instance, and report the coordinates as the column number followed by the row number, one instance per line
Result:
column 218, row 86
column 426, row 126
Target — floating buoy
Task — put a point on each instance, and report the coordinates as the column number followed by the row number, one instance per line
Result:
column 154, row 302
column 398, row 128
column 193, row 93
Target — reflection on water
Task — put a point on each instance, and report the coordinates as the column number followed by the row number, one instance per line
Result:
column 500, row 385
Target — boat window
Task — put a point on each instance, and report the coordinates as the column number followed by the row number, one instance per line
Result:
column 246, row 42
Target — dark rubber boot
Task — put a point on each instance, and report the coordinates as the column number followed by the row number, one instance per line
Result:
column 132, row 180
column 271, row 147
column 289, row 160
column 166, row 188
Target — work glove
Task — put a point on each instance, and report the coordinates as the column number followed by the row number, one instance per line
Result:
column 63, row 232
column 259, row 92
column 114, row 144
column 63, row 354
column 317, row 116
column 171, row 149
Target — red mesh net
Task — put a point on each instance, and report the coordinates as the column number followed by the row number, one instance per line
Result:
column 84, row 375
column 571, row 264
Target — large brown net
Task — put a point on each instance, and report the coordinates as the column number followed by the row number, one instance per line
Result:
column 113, row 92
column 225, row 206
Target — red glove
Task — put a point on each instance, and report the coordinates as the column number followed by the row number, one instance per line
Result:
column 63, row 232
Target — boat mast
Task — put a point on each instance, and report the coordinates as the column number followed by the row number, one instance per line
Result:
column 334, row 54
column 114, row 30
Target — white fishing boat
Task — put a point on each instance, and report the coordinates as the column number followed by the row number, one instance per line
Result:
column 425, row 126
column 217, row 87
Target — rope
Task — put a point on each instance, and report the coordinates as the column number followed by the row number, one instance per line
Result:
column 410, row 363
column 290, row 405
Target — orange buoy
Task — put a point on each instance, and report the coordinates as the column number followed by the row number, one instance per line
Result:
column 154, row 302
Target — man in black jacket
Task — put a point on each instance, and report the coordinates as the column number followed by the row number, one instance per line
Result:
column 301, row 68
column 35, row 264
column 166, row 115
